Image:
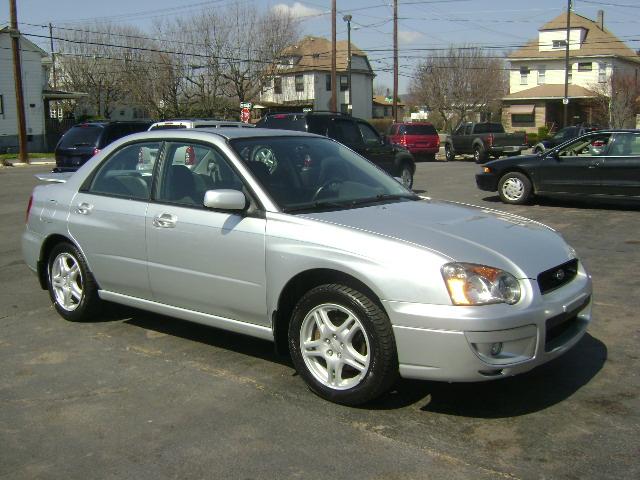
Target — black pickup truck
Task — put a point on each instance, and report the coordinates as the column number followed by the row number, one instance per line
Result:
column 484, row 140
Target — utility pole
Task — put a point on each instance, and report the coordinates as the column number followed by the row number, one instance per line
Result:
column 53, row 58
column 17, row 76
column 347, row 18
column 395, row 60
column 565, row 100
column 334, row 86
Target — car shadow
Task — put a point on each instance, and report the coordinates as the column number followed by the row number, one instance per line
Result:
column 582, row 203
column 530, row 392
column 195, row 332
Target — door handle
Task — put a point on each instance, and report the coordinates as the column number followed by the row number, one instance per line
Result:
column 84, row 208
column 593, row 165
column 165, row 220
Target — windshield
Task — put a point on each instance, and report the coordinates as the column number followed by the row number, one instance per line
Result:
column 81, row 136
column 306, row 173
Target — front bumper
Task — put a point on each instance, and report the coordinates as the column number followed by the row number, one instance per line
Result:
column 487, row 182
column 454, row 343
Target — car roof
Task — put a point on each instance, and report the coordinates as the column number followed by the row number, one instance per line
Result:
column 226, row 133
column 201, row 121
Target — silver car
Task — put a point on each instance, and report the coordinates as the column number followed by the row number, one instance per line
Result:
column 295, row 238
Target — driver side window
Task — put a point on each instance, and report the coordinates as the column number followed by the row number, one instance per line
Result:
column 591, row 146
column 190, row 169
column 369, row 135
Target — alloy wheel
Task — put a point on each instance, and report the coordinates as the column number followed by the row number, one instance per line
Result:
column 66, row 281
column 335, row 346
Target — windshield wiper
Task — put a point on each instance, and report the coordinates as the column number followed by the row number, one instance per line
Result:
column 382, row 197
column 317, row 206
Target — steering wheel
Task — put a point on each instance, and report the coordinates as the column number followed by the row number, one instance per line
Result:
column 266, row 156
column 332, row 184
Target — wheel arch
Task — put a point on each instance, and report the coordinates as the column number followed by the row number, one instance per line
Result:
column 297, row 286
column 402, row 158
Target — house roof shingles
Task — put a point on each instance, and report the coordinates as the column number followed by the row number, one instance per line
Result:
column 550, row 92
column 597, row 42
column 314, row 54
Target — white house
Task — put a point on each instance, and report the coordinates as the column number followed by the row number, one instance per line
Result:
column 34, row 81
column 303, row 80
column 537, row 73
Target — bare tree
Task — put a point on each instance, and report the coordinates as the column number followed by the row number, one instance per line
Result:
column 618, row 101
column 458, row 82
column 253, row 46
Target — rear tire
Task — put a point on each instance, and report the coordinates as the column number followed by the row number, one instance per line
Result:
column 72, row 288
column 342, row 345
column 514, row 188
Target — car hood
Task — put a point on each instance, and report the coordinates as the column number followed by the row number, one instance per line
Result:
column 460, row 232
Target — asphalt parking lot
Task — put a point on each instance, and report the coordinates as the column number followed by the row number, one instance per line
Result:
column 143, row 396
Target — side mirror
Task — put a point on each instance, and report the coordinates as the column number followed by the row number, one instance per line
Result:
column 225, row 200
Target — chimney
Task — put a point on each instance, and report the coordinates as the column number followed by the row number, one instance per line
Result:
column 600, row 19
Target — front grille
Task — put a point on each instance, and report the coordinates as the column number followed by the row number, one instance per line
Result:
column 556, row 277
column 557, row 326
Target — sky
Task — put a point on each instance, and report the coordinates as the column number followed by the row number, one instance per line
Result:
column 422, row 26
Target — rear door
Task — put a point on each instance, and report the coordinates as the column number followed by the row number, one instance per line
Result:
column 107, row 219
column 376, row 150
column 575, row 168
column 620, row 169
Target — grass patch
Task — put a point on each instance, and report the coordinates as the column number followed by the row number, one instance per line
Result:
column 33, row 156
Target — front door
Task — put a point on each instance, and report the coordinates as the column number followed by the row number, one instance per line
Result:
column 621, row 167
column 376, row 150
column 575, row 168
column 200, row 259
column 107, row 219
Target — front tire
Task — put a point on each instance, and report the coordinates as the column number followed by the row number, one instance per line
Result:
column 479, row 155
column 406, row 175
column 342, row 344
column 449, row 155
column 72, row 289
column 514, row 188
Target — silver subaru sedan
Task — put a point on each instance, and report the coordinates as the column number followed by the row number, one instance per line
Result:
column 295, row 238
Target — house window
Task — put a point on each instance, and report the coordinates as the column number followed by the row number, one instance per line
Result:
column 585, row 66
column 277, row 85
column 524, row 75
column 328, row 82
column 344, row 108
column 1, row 106
column 523, row 120
column 344, row 83
column 299, row 83
column 542, row 72
column 559, row 43
column 602, row 72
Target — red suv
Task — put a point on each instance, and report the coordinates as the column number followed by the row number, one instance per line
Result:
column 421, row 139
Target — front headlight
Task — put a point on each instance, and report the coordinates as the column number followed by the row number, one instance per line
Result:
column 471, row 284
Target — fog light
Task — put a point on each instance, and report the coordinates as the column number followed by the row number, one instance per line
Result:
column 496, row 349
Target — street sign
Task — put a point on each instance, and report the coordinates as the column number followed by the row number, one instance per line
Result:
column 565, row 101
column 245, row 105
column 245, row 114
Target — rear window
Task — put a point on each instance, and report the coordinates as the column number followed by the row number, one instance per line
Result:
column 488, row 128
column 167, row 127
column 286, row 122
column 419, row 130
column 80, row 136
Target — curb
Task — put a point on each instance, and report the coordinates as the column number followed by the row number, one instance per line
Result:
column 34, row 162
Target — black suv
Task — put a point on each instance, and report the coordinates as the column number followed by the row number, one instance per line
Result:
column 353, row 132
column 83, row 141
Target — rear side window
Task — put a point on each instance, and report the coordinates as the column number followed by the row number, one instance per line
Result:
column 127, row 173
column 81, row 136
column 488, row 128
column 346, row 131
column 420, row 130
